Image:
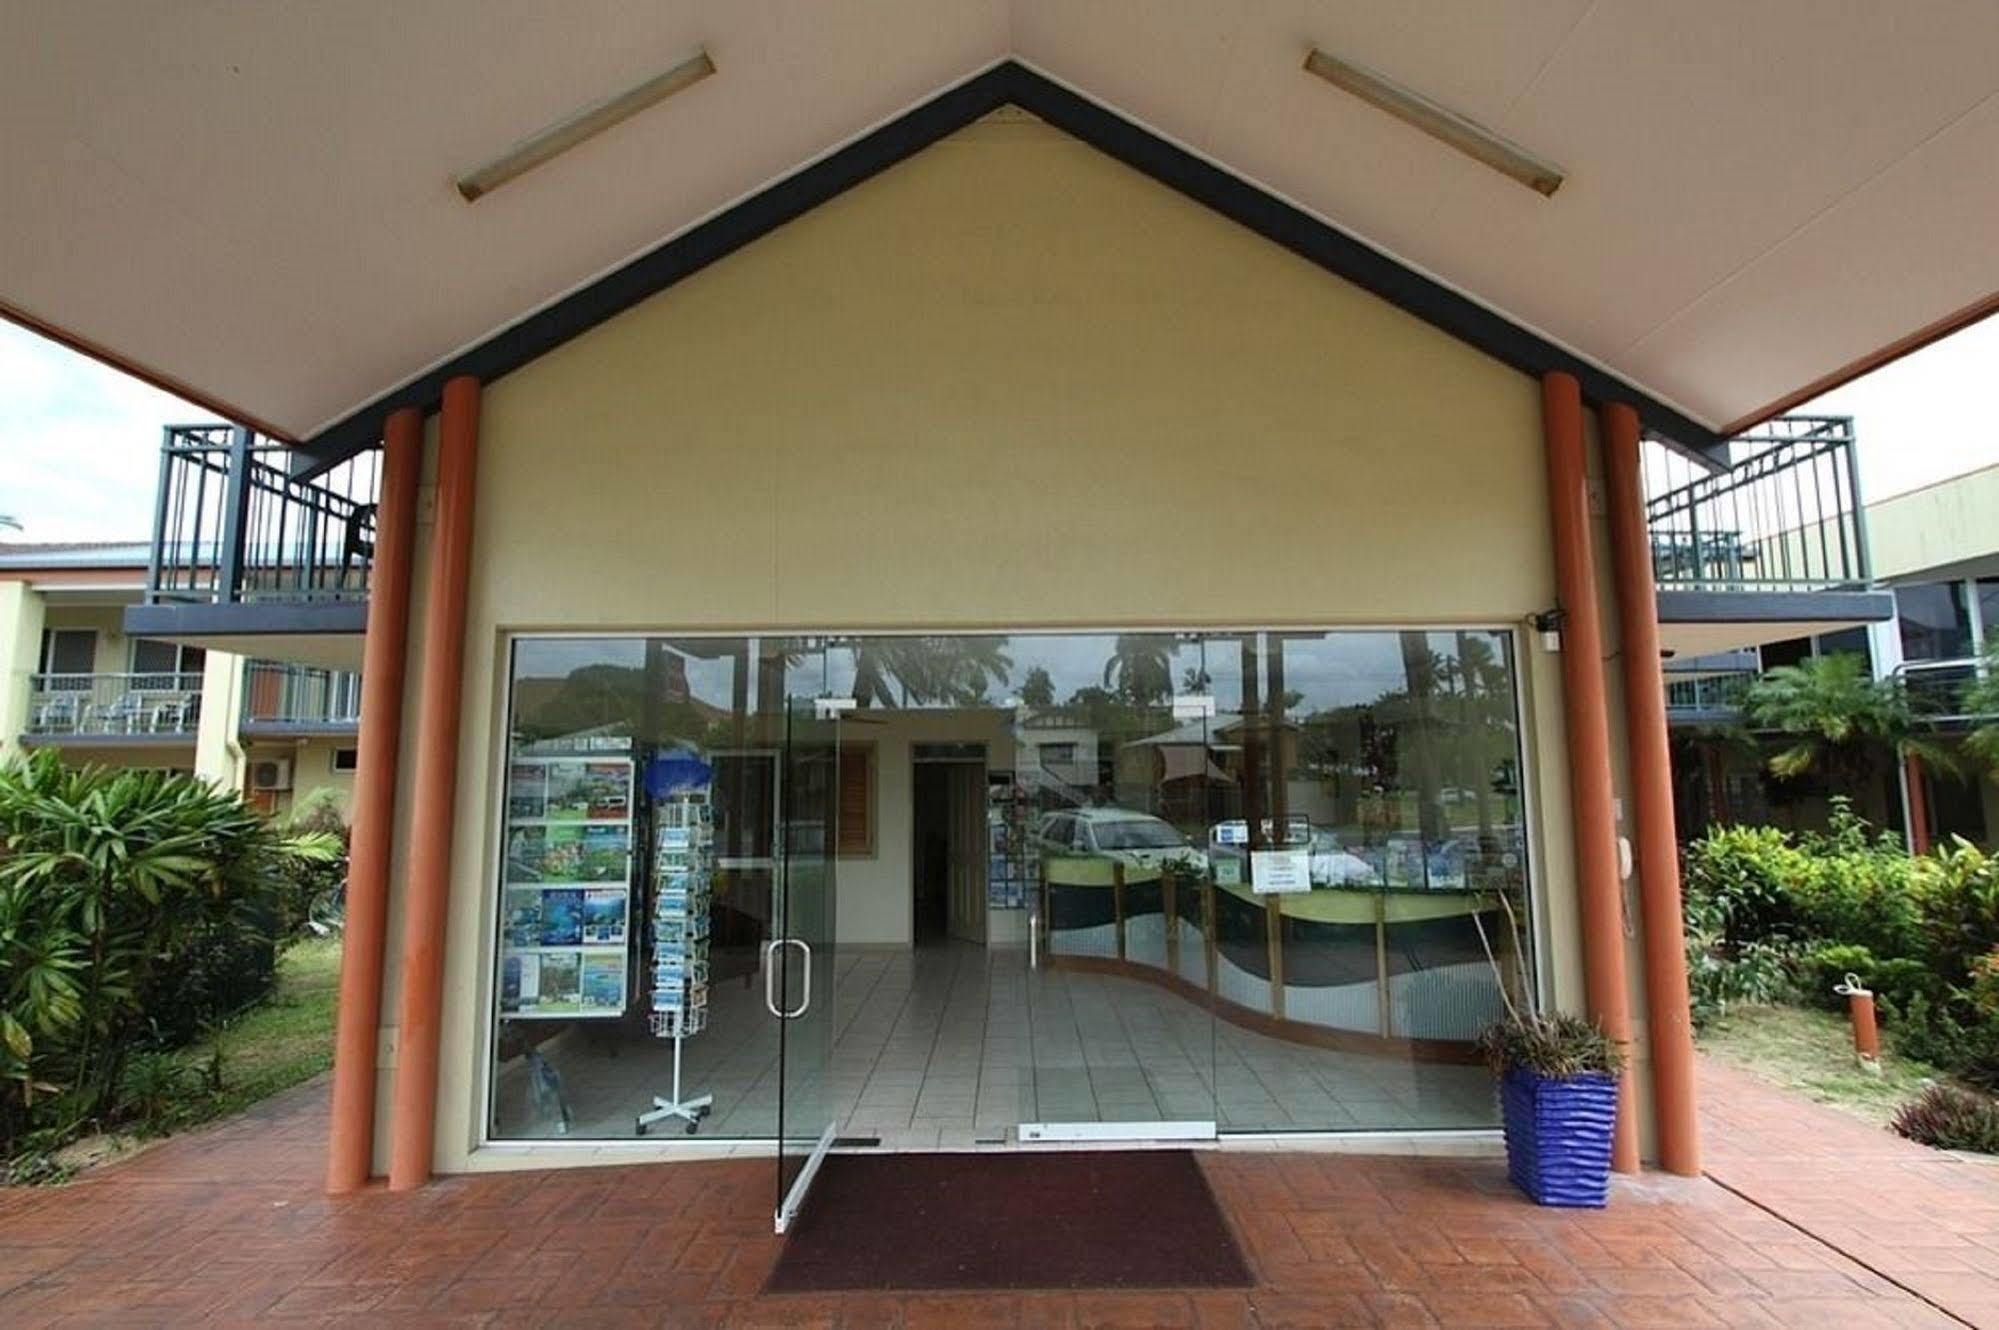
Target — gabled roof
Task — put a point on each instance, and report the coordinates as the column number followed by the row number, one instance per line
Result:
column 253, row 203
column 1006, row 84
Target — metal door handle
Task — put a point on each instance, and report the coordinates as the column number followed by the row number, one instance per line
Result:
column 770, row 973
column 770, row 976
column 805, row 981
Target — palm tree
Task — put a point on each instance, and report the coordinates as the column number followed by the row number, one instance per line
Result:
column 1140, row 668
column 1980, row 701
column 1834, row 711
column 10, row 523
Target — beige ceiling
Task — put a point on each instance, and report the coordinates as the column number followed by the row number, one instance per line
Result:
column 254, row 199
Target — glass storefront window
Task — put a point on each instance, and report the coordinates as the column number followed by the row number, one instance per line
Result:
column 1275, row 880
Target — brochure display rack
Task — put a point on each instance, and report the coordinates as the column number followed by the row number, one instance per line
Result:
column 566, row 922
column 1009, row 861
column 679, row 784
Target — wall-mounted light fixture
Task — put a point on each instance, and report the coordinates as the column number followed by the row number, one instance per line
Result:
column 1438, row 121
column 587, row 123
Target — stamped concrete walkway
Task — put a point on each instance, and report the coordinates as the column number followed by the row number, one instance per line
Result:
column 1813, row 1222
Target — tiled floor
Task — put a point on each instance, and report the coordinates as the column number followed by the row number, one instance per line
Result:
column 954, row 1045
column 1839, row 1227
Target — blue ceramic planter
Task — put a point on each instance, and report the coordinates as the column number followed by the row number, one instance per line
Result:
column 1558, row 1137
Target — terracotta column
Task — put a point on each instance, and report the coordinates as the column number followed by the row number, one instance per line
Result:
column 1919, row 804
column 351, row 1141
column 1592, row 815
column 1668, row 1017
column 433, row 812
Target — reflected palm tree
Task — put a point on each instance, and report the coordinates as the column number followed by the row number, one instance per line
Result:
column 929, row 671
column 1140, row 668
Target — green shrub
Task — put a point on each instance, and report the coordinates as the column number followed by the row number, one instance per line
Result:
column 1857, row 888
column 1745, row 881
column 136, row 908
column 1956, row 891
column 1720, row 976
column 1951, row 1118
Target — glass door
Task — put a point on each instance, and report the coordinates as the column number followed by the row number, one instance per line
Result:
column 1119, row 1015
column 798, row 959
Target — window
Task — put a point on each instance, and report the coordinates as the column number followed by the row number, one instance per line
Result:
column 1847, row 642
column 169, row 662
column 346, row 759
column 1935, row 621
column 1988, row 610
column 69, row 651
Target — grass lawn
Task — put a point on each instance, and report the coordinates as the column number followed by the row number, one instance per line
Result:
column 1811, row 1052
column 283, row 1040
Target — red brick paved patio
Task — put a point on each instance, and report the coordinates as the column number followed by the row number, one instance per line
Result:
column 228, row 1226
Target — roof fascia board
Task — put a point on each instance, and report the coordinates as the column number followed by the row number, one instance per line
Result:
column 1010, row 82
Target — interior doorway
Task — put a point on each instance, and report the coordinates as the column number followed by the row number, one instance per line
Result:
column 948, row 853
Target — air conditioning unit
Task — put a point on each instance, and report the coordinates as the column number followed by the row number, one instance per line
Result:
column 271, row 774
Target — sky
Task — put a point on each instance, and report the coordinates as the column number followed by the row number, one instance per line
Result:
column 79, row 442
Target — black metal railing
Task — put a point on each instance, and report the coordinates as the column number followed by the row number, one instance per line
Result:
column 1936, row 688
column 233, row 526
column 1784, row 516
column 1708, row 696
column 279, row 696
column 135, row 705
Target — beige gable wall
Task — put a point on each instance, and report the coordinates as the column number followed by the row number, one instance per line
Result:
column 1007, row 383
column 1953, row 522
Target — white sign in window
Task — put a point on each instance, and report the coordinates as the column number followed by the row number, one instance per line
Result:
column 1273, row 871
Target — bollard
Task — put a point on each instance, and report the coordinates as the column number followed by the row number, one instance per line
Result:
column 1866, row 1034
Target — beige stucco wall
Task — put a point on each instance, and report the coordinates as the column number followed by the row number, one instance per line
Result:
column 1007, row 383
column 1937, row 527
column 21, row 613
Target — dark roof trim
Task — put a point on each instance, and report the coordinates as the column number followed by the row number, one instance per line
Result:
column 1009, row 83
column 256, row 619
column 1690, row 606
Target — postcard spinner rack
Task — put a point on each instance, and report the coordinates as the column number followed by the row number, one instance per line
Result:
column 683, row 876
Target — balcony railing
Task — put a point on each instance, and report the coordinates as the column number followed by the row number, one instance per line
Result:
column 1707, row 697
column 233, row 526
column 280, row 697
column 1785, row 516
column 1936, row 689
column 131, row 705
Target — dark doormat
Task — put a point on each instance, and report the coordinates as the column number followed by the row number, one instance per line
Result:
column 1084, row 1219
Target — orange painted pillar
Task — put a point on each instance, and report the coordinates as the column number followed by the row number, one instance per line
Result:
column 432, row 811
column 1592, row 814
column 351, row 1141
column 1668, row 1015
column 1919, row 804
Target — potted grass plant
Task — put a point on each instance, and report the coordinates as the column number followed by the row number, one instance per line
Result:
column 1558, row 1080
column 1558, row 1077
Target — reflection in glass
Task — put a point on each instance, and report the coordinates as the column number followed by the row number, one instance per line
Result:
column 1275, row 879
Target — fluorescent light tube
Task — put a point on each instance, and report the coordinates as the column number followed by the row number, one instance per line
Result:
column 587, row 123
column 1439, row 122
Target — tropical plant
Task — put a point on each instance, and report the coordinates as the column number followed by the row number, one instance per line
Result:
column 1951, row 1118
column 1980, row 700
column 1837, row 717
column 136, row 908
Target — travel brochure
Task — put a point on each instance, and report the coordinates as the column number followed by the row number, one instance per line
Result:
column 570, row 790
column 562, row 983
column 591, row 852
column 566, row 905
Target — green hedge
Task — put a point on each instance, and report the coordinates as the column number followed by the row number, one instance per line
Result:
column 1767, row 910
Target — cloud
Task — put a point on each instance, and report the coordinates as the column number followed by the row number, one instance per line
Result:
column 79, row 443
